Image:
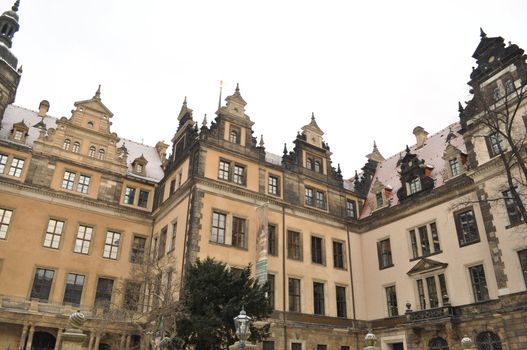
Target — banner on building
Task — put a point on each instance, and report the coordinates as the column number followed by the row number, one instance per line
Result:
column 261, row 243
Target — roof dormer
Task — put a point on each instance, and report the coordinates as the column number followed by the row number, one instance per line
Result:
column 139, row 166
column 19, row 132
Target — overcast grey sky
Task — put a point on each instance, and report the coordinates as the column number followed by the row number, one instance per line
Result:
column 367, row 69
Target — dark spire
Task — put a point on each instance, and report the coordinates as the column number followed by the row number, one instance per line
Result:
column 97, row 95
column 285, row 149
column 407, row 149
column 313, row 116
column 261, row 141
column 237, row 88
column 460, row 107
column 185, row 101
column 482, row 34
column 9, row 24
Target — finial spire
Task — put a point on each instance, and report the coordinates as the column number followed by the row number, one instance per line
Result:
column 482, row 34
column 15, row 5
column 261, row 141
column 204, row 120
column 285, row 149
column 460, row 107
column 313, row 116
column 185, row 101
column 237, row 87
column 375, row 146
column 98, row 93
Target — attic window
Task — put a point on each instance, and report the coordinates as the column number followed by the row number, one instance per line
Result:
column 415, row 185
column 90, row 124
column 19, row 132
column 234, row 134
column 455, row 168
column 378, row 199
column 18, row 135
column 139, row 168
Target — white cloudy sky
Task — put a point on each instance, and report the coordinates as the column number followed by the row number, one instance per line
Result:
column 367, row 69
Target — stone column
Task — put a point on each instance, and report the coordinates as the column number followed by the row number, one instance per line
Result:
column 23, row 338
column 30, row 337
column 97, row 341
column 58, row 342
column 92, row 338
column 128, row 341
column 123, row 340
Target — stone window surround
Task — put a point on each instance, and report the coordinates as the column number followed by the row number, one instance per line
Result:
column 228, row 228
column 430, row 237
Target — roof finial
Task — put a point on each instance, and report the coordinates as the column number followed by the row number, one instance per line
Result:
column 285, row 149
column 407, row 149
column 261, row 141
column 375, row 146
column 98, row 93
column 205, row 120
column 237, row 87
column 185, row 101
column 482, row 34
column 460, row 107
column 313, row 116
column 15, row 5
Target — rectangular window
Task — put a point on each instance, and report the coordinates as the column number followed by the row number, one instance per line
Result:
column 143, row 199
column 129, row 195
column 84, row 184
column 309, row 196
column 83, row 239
column 425, row 243
column 42, row 284
column 3, row 162
column 68, row 180
column 435, row 237
column 5, row 219
column 432, row 291
column 317, row 250
column 415, row 185
column 391, row 301
column 384, row 252
column 318, row 298
column 173, row 239
column 131, row 296
column 138, row 250
column 111, row 245
column 314, row 163
column 455, row 169
column 274, row 185
column 224, row 170
column 424, row 240
column 16, row 167
column 294, row 295
column 218, row 227
column 495, row 144
column 344, row 347
column 294, row 245
column 268, row 345
column 321, row 200
column 103, row 294
column 270, row 295
column 162, row 242
column 296, row 346
column 239, row 175
column 467, row 229
column 338, row 255
column 442, row 288
column 378, row 199
column 413, row 242
column 479, row 283
column 239, row 237
column 73, row 291
column 351, row 210
column 272, row 240
column 322, row 347
column 341, row 301
column 421, row 293
column 522, row 255
column 53, row 233
column 515, row 217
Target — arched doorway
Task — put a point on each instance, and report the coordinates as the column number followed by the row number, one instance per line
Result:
column 437, row 343
column 488, row 341
column 43, row 341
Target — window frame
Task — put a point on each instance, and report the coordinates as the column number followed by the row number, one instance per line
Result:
column 319, row 303
column 391, row 303
column 273, row 185
column 74, row 288
column 16, row 167
column 513, row 214
column 112, row 246
column 100, row 295
column 218, row 228
column 351, row 208
column 495, row 144
column 382, row 252
column 417, row 244
column 294, row 245
column 340, row 300
column 318, row 255
column 129, row 195
column 5, row 221
column 53, row 234
column 138, row 253
column 454, row 167
column 461, row 235
column 239, row 232
column 339, row 258
column 84, row 243
column 272, row 240
column 477, row 285
column 522, row 259
column 49, row 288
column 142, row 202
column 294, row 293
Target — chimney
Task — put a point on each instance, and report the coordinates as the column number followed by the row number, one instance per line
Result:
column 43, row 108
column 420, row 136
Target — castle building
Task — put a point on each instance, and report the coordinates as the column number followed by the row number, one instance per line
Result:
column 423, row 247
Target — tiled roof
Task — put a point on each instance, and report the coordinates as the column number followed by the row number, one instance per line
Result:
column 431, row 152
column 15, row 114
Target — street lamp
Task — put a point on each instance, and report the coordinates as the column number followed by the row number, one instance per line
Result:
column 241, row 323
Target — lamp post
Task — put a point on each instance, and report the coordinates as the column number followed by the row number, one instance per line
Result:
column 241, row 323
column 466, row 342
column 370, row 340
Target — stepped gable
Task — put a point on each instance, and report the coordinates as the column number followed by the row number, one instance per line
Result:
column 431, row 153
column 15, row 114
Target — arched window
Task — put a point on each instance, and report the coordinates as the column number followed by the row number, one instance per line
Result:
column 91, row 152
column 488, row 341
column 101, row 154
column 66, row 145
column 234, row 137
column 76, row 147
column 437, row 343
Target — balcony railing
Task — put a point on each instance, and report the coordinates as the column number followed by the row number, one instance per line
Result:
column 442, row 312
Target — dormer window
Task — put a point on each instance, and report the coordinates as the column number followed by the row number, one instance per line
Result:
column 139, row 166
column 314, row 163
column 91, row 152
column 379, row 201
column 318, row 166
column 415, row 185
column 90, row 124
column 234, row 135
column 66, row 145
column 76, row 147
column 509, row 86
column 19, row 132
column 100, row 156
column 496, row 93
column 455, row 168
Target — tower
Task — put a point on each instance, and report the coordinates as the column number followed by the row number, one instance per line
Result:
column 9, row 75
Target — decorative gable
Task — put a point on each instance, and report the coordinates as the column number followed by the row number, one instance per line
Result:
column 414, row 175
column 139, row 166
column 426, row 265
